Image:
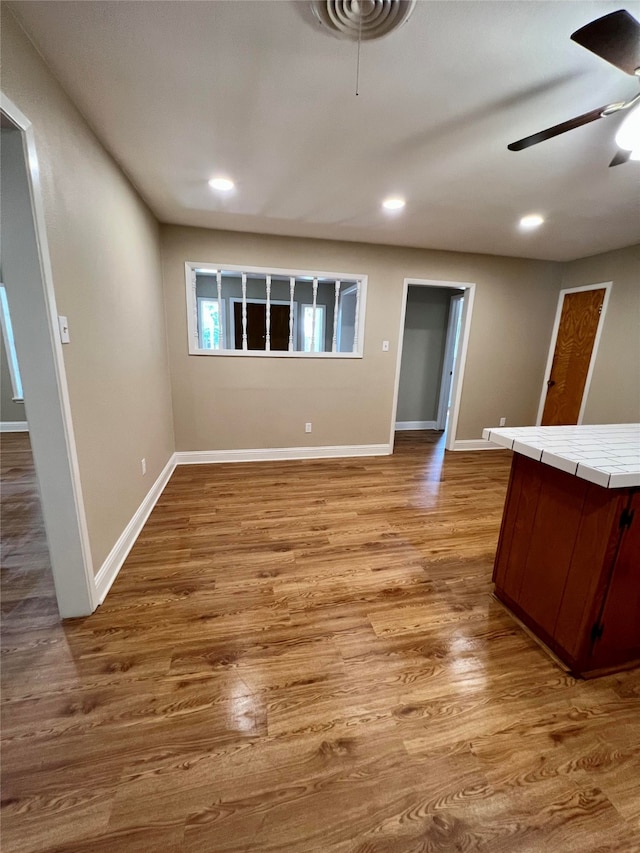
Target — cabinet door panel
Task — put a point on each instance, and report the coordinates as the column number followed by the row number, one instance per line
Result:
column 553, row 540
column 620, row 640
column 517, row 525
column 594, row 551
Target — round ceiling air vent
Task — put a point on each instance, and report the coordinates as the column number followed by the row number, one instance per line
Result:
column 365, row 19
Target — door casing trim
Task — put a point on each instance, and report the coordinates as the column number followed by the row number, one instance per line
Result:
column 75, row 588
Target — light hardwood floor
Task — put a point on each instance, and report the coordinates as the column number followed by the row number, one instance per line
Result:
column 304, row 656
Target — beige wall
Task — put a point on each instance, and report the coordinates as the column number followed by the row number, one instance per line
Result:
column 106, row 270
column 614, row 396
column 244, row 402
column 9, row 409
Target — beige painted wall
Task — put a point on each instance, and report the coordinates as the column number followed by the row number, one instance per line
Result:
column 614, row 396
column 106, row 270
column 9, row 409
column 243, row 402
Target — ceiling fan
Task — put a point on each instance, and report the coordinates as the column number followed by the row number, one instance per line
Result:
column 616, row 39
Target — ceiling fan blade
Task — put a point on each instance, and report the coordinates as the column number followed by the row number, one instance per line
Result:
column 620, row 157
column 556, row 130
column 615, row 38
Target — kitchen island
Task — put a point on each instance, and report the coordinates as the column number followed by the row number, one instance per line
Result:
column 568, row 558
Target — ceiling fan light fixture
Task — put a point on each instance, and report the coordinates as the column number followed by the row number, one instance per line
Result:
column 628, row 134
column 531, row 221
column 616, row 39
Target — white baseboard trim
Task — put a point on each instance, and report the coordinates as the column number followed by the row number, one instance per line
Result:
column 269, row 454
column 475, row 444
column 14, row 426
column 406, row 425
column 109, row 570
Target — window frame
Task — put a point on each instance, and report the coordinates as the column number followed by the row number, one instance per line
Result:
column 193, row 267
column 323, row 327
column 347, row 292
column 221, row 311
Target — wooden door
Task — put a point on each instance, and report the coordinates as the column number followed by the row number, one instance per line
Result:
column 257, row 326
column 579, row 321
column 279, row 327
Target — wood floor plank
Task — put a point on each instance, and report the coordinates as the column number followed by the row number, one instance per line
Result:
column 303, row 657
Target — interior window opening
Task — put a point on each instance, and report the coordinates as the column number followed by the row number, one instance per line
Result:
column 235, row 311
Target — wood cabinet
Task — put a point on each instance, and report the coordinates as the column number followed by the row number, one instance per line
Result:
column 568, row 565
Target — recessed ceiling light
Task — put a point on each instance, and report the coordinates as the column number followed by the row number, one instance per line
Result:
column 223, row 185
column 393, row 203
column 533, row 220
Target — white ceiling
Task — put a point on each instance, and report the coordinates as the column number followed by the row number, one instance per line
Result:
column 180, row 91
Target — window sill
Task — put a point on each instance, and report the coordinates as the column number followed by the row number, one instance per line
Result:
column 258, row 353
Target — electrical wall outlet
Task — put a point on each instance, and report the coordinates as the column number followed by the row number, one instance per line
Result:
column 503, row 421
column 307, row 427
column 143, row 465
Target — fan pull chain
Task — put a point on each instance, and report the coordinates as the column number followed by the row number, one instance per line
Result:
column 358, row 61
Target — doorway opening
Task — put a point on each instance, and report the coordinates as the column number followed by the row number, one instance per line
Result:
column 27, row 582
column 256, row 324
column 434, row 333
column 572, row 354
column 27, row 277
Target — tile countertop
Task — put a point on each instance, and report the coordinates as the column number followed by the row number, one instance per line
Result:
column 608, row 454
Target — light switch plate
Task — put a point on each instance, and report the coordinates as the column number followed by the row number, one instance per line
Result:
column 64, row 330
